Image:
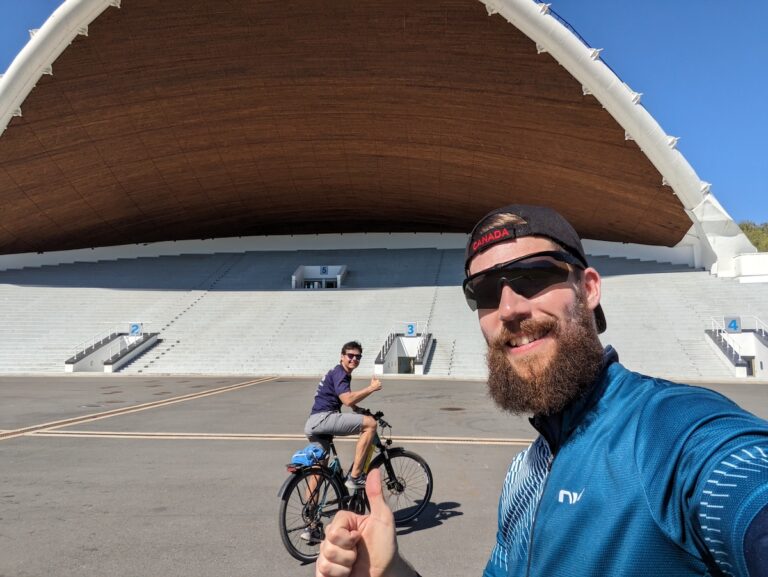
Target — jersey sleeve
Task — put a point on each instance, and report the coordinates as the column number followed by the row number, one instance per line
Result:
column 756, row 545
column 730, row 501
column 703, row 463
column 341, row 382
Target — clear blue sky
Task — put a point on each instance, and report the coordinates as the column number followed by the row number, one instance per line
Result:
column 702, row 66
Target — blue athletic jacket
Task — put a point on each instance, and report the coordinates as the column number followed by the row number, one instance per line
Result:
column 640, row 477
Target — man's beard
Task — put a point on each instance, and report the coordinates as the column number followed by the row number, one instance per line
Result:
column 531, row 386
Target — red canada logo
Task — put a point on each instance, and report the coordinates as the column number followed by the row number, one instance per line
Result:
column 492, row 236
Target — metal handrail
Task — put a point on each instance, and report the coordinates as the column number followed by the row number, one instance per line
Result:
column 120, row 345
column 88, row 343
column 101, row 337
column 123, row 345
column 718, row 329
column 759, row 324
column 385, row 347
column 420, row 349
column 422, row 344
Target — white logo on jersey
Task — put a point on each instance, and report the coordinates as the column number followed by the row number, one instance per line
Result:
column 571, row 496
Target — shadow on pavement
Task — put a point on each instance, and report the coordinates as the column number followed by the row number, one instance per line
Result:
column 434, row 514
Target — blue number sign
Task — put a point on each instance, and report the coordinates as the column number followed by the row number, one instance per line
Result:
column 410, row 330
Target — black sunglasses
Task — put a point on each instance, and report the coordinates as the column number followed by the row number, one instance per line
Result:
column 527, row 276
column 354, row 357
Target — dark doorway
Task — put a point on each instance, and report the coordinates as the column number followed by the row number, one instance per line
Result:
column 405, row 365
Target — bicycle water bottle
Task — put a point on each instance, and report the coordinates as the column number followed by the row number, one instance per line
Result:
column 368, row 457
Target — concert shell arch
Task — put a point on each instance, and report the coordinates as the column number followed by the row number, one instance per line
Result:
column 153, row 120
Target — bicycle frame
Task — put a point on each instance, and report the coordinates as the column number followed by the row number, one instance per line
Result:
column 333, row 465
column 316, row 492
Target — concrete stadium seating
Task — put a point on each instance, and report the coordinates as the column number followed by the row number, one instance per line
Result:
column 234, row 313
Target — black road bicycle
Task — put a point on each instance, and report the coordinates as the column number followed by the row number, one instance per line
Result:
column 312, row 495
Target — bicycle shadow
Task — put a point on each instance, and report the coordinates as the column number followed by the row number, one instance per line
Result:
column 434, row 514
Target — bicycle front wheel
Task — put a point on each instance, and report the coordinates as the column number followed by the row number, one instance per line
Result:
column 406, row 483
column 309, row 503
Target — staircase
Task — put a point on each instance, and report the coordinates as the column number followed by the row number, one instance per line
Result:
column 234, row 313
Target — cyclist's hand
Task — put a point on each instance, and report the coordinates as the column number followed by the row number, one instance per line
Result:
column 375, row 385
column 361, row 545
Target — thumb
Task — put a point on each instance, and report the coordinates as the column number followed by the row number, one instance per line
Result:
column 379, row 507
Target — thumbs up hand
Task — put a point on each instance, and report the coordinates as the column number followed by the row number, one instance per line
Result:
column 363, row 545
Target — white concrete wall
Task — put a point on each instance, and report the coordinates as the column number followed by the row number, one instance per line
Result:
column 761, row 362
column 739, row 372
column 749, row 268
column 746, row 267
column 132, row 355
column 744, row 343
column 681, row 254
column 747, row 344
column 390, row 362
column 402, row 347
column 239, row 244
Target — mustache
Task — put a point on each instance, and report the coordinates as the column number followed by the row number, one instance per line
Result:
column 527, row 328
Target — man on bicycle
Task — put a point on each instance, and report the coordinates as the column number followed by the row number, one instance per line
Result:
column 326, row 417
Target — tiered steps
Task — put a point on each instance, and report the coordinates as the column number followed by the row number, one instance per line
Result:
column 286, row 332
column 49, row 311
column 235, row 313
column 657, row 316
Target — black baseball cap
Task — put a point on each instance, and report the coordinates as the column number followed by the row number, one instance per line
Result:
column 530, row 221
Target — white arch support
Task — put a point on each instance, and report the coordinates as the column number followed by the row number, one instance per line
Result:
column 719, row 244
column 44, row 47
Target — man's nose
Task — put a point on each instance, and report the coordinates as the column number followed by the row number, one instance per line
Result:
column 512, row 306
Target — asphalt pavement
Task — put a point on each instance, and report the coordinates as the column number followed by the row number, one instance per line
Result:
column 104, row 476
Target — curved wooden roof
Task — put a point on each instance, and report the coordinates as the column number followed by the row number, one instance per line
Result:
column 177, row 120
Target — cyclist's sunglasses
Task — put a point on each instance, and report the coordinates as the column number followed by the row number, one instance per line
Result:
column 527, row 276
column 354, row 357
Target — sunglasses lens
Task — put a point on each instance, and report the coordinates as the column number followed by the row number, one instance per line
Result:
column 537, row 280
column 484, row 290
column 353, row 357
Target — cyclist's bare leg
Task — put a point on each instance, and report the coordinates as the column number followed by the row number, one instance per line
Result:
column 365, row 440
column 312, row 484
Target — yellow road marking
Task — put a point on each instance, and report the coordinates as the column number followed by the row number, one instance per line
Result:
column 126, row 410
column 269, row 437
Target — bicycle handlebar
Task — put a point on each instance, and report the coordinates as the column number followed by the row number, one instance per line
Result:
column 377, row 415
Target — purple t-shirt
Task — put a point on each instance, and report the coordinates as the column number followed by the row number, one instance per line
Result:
column 335, row 383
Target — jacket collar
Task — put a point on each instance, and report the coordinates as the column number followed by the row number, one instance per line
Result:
column 558, row 427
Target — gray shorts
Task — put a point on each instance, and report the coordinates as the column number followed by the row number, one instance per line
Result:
column 332, row 423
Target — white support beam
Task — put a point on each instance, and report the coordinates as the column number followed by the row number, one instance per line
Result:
column 719, row 237
column 44, row 47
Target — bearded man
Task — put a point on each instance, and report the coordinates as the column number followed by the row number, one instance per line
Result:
column 630, row 475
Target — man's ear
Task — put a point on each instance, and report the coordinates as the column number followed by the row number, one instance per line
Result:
column 590, row 281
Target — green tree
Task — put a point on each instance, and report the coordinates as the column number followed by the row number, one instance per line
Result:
column 756, row 233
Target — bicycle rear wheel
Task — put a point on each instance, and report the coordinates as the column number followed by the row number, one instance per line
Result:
column 406, row 483
column 308, row 504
